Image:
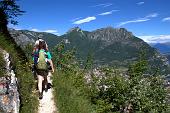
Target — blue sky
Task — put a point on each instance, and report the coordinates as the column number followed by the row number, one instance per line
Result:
column 148, row 19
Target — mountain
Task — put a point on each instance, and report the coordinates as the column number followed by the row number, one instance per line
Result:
column 24, row 37
column 109, row 46
column 163, row 48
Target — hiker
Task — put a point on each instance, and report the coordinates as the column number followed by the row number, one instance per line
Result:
column 36, row 49
column 42, row 68
column 35, row 54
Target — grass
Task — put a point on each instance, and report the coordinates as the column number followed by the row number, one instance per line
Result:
column 69, row 96
column 2, row 63
column 70, row 91
column 29, row 101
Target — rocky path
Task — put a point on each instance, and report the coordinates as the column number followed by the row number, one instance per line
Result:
column 47, row 105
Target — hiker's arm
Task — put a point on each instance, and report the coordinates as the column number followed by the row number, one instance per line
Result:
column 50, row 61
column 51, row 64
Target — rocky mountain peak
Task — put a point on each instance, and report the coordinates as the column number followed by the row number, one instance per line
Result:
column 77, row 29
column 111, row 34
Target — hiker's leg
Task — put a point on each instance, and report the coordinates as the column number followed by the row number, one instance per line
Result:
column 45, row 84
column 48, row 77
column 35, row 72
column 49, row 84
column 45, row 80
column 40, row 79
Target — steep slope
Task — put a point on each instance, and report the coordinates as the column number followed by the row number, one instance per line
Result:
column 28, row 101
column 116, row 45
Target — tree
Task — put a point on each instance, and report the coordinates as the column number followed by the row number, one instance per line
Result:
column 8, row 11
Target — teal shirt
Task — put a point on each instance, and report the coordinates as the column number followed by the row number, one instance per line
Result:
column 49, row 57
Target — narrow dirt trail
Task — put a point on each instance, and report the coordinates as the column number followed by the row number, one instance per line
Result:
column 46, row 104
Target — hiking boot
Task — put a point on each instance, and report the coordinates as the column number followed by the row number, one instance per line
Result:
column 46, row 88
column 40, row 95
column 49, row 85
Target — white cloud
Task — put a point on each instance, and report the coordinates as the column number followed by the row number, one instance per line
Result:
column 140, row 3
column 151, row 15
column 146, row 18
column 133, row 21
column 47, row 31
column 103, row 5
column 166, row 19
column 51, row 31
column 107, row 5
column 18, row 29
column 156, row 38
column 76, row 19
column 108, row 13
column 36, row 30
column 85, row 20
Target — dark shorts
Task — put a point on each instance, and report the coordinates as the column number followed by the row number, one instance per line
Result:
column 42, row 72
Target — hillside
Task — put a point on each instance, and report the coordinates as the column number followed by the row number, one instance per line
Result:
column 26, row 85
column 109, row 46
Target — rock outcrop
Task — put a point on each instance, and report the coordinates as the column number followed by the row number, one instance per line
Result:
column 9, row 95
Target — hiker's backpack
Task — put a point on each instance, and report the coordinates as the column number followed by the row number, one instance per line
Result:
column 42, row 64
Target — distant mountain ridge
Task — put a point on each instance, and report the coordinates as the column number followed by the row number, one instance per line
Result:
column 24, row 37
column 162, row 47
column 109, row 46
